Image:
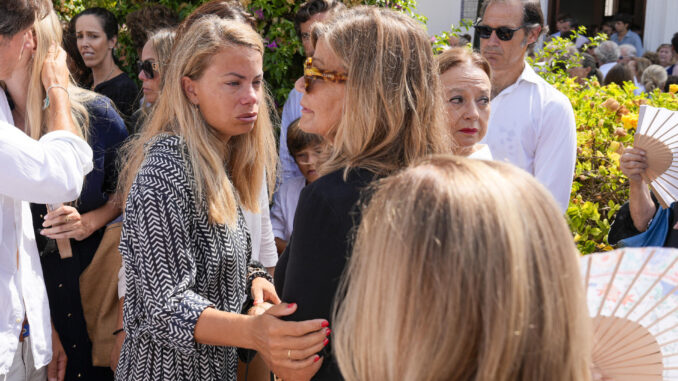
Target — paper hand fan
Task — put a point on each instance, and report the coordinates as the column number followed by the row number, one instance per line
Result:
column 657, row 134
column 632, row 296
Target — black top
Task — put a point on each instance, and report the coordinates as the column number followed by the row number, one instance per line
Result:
column 124, row 94
column 623, row 227
column 309, row 270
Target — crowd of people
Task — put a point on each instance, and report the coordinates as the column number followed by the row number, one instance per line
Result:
column 412, row 194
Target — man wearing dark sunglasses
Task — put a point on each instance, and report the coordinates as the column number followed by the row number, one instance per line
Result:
column 531, row 124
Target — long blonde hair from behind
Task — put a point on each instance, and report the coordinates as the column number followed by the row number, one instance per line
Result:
column 393, row 110
column 46, row 31
column 462, row 270
column 245, row 158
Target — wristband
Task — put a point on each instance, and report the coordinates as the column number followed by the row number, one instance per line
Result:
column 45, row 102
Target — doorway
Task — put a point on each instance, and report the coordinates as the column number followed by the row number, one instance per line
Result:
column 591, row 13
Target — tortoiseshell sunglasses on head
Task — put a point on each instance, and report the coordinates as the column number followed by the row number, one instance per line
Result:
column 311, row 73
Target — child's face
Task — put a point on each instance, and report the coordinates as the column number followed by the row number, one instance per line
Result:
column 307, row 159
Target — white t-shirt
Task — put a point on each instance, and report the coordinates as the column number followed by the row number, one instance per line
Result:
column 532, row 126
column 285, row 205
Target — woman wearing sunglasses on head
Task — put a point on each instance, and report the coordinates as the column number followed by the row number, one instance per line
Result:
column 197, row 163
column 96, row 31
column 84, row 222
column 372, row 90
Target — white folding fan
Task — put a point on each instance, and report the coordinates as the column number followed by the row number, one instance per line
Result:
column 657, row 134
column 632, row 296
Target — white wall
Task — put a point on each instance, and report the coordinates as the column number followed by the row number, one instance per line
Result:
column 441, row 14
column 660, row 23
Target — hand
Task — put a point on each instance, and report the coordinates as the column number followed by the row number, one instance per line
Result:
column 263, row 290
column 289, row 348
column 56, row 369
column 259, row 309
column 65, row 222
column 117, row 347
column 633, row 164
column 54, row 69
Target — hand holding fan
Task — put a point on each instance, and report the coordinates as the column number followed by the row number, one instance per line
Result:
column 632, row 295
column 658, row 136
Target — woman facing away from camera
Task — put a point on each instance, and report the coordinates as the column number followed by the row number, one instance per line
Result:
column 471, row 275
column 83, row 222
column 372, row 90
column 198, row 161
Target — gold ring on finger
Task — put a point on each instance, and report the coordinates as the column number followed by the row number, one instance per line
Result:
column 68, row 219
column 289, row 354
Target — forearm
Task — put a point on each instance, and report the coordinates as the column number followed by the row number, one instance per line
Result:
column 222, row 328
column 640, row 205
column 98, row 218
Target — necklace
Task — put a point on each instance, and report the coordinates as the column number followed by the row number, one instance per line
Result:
column 105, row 79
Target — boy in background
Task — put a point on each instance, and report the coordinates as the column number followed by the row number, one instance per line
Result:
column 306, row 150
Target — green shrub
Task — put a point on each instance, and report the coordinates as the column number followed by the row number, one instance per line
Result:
column 606, row 118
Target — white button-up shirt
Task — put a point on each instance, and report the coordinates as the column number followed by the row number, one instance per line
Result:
column 50, row 170
column 532, row 126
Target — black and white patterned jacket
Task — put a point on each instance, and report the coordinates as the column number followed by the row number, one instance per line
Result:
column 177, row 264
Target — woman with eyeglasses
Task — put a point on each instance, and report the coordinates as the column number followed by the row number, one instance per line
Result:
column 84, row 221
column 372, row 91
column 96, row 32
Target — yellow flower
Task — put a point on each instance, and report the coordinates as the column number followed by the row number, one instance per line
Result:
column 630, row 121
column 673, row 88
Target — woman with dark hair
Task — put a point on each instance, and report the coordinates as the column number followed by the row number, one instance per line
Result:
column 96, row 31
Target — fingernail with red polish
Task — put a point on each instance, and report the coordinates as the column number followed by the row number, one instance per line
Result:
column 327, row 333
column 325, row 324
column 291, row 305
column 316, row 358
column 325, row 342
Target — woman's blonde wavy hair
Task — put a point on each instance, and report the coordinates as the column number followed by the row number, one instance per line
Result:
column 246, row 158
column 471, row 274
column 47, row 31
column 393, row 110
column 163, row 43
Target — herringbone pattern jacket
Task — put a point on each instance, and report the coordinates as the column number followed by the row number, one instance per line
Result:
column 177, row 264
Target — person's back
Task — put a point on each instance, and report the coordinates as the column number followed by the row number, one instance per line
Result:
column 492, row 239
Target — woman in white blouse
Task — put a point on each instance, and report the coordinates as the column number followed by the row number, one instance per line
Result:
column 465, row 77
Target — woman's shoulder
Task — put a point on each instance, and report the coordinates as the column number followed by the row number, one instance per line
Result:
column 338, row 189
column 164, row 169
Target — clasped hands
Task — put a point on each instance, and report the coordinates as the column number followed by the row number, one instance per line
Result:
column 288, row 348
